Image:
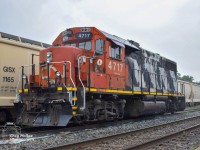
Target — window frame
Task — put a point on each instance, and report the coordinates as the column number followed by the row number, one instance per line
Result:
column 113, row 51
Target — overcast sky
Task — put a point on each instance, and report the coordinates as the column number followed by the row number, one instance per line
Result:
column 168, row 27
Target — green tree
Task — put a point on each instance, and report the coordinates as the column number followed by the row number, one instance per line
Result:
column 178, row 76
column 187, row 78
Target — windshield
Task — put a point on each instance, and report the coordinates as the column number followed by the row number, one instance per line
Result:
column 87, row 45
column 71, row 44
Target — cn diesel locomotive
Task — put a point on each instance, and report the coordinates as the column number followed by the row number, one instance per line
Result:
column 90, row 75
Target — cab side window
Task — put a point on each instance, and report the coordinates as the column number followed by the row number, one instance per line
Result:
column 99, row 46
column 115, row 51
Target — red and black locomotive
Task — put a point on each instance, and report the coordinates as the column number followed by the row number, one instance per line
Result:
column 90, row 75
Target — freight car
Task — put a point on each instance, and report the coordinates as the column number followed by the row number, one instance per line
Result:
column 15, row 52
column 191, row 91
column 90, row 75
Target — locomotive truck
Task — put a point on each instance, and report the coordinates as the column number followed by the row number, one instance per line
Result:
column 91, row 75
column 15, row 52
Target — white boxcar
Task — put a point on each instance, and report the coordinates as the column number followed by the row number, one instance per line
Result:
column 14, row 53
column 191, row 90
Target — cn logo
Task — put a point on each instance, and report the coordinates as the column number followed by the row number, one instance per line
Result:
column 99, row 62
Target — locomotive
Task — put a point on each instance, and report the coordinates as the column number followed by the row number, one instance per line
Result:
column 90, row 75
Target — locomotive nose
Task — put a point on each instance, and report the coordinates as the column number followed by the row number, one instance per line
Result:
column 53, row 102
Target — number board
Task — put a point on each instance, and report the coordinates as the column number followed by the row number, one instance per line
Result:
column 84, row 35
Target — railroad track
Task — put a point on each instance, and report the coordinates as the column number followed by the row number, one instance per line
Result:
column 191, row 109
column 161, row 142
column 193, row 123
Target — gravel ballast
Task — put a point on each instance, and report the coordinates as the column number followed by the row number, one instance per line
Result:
column 53, row 140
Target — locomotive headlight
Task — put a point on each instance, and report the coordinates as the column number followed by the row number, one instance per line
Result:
column 49, row 57
column 68, row 33
column 65, row 38
column 58, row 74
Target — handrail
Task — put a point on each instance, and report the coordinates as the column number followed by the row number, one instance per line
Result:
column 79, row 76
column 70, row 70
column 20, row 75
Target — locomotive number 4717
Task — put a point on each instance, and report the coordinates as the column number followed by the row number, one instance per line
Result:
column 115, row 66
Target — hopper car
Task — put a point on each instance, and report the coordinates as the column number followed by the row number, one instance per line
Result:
column 191, row 92
column 90, row 75
column 15, row 52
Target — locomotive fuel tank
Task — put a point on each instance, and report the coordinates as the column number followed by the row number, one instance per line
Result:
column 139, row 108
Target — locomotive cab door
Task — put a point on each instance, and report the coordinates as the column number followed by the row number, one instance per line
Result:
column 115, row 66
column 98, row 77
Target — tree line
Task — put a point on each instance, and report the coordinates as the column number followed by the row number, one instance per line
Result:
column 187, row 78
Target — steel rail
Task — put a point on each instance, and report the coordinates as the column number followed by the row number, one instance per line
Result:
column 95, row 141
column 162, row 139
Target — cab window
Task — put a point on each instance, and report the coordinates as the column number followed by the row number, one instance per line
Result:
column 99, row 46
column 71, row 44
column 115, row 51
column 85, row 45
